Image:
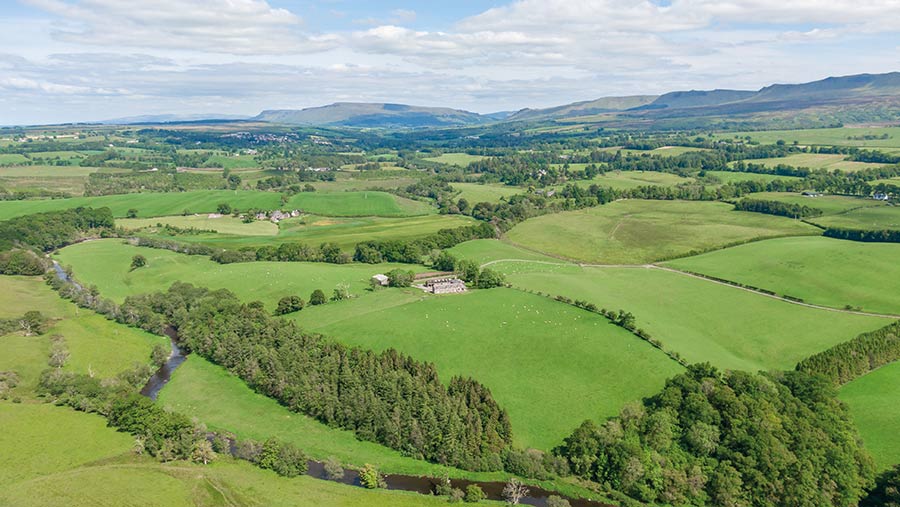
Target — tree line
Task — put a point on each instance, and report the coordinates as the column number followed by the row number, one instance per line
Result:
column 779, row 208
column 868, row 236
column 849, row 360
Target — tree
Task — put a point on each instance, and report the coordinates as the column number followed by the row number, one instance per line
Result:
column 474, row 494
column 131, row 213
column 400, row 278
column 444, row 262
column 224, row 208
column 138, row 261
column 203, row 452
column 289, row 304
column 488, row 279
column 59, row 354
column 159, row 355
column 32, row 323
column 370, row 478
column 886, row 492
column 468, row 270
column 514, row 491
column 334, row 471
column 341, row 292
column 317, row 298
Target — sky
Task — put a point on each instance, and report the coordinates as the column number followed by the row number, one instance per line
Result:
column 90, row 60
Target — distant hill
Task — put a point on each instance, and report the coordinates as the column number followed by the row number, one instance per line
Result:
column 361, row 114
column 585, row 108
column 172, row 118
column 697, row 98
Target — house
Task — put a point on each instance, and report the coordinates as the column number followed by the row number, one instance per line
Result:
column 445, row 286
column 295, row 213
column 811, row 194
column 381, row 279
column 880, row 196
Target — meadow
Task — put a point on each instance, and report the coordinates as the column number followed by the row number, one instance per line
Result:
column 550, row 365
column 829, row 204
column 358, row 204
column 56, row 456
column 868, row 218
column 221, row 224
column 627, row 180
column 484, row 251
column 819, row 270
column 637, row 232
column 827, row 137
column 874, row 402
column 699, row 319
column 478, row 192
column 733, row 177
column 458, row 159
column 12, row 158
column 106, row 263
column 815, row 161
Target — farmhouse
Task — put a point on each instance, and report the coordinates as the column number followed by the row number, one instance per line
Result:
column 811, row 194
column 381, row 279
column 445, row 286
column 880, row 196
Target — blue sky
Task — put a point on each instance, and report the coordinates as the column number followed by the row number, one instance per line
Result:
column 84, row 60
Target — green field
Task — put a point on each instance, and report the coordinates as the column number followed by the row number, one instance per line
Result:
column 222, row 224
column 828, row 137
column 12, row 158
column 48, row 171
column 636, row 232
column 54, row 456
column 874, row 401
column 106, row 263
column 816, row 161
column 869, row 218
column 459, row 159
column 477, row 192
column 551, row 366
column 732, row 177
column 819, row 270
column 489, row 250
column 358, row 204
column 829, row 204
column 627, row 180
column 701, row 320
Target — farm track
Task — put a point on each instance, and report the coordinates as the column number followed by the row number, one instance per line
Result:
column 698, row 277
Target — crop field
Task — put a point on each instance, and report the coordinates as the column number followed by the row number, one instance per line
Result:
column 816, row 161
column 358, row 204
column 819, row 270
column 477, row 192
column 222, row 224
column 699, row 319
column 846, row 136
column 459, row 159
column 636, row 232
column 150, row 204
column 594, row 365
column 106, row 264
column 731, row 176
column 56, row 456
column 874, row 402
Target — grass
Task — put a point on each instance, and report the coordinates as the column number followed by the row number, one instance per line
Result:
column 346, row 232
column 869, row 218
column 636, row 232
column 819, row 270
column 829, row 204
column 55, row 456
column 701, row 320
column 551, row 366
column 12, row 158
column 478, row 192
column 150, row 204
column 875, row 406
column 829, row 137
column 627, row 180
column 358, row 204
column 458, row 159
column 490, row 250
column 733, row 177
column 105, row 263
column 47, row 171
column 815, row 161
column 223, row 225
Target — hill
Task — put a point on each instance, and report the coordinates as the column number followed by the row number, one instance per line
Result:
column 584, row 108
column 361, row 114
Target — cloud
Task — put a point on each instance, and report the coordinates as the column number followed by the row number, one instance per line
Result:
column 241, row 27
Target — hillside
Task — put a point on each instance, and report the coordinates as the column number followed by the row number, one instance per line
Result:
column 361, row 114
column 584, row 108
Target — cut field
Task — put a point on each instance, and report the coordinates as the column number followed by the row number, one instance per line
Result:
column 819, row 270
column 55, row 456
column 222, row 225
column 700, row 319
column 846, row 136
column 477, row 192
column 874, row 402
column 106, row 263
column 349, row 204
column 458, row 159
column 815, row 161
column 732, row 176
column 550, row 365
column 636, row 232
column 345, row 232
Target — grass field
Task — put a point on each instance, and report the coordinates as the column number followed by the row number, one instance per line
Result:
column 731, row 176
column 816, row 161
column 459, row 159
column 869, row 218
column 489, row 250
column 627, row 180
column 106, row 264
column 346, row 232
column 477, row 192
column 874, row 402
column 550, row 365
column 223, row 225
column 829, row 137
column 54, row 456
column 701, row 320
column 150, row 204
column 819, row 270
column 829, row 204
column 636, row 232
column 358, row 204
column 12, row 158
column 47, row 171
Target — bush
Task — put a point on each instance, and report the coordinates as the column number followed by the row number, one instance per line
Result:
column 474, row 494
column 333, row 469
column 456, row 495
column 370, row 478
column 289, row 304
column 283, row 458
column 317, row 298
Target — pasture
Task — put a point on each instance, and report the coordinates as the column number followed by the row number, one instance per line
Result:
column 478, row 192
column 485, row 251
column 457, row 159
column 221, row 224
column 627, row 180
column 733, row 177
column 868, row 218
column 699, row 319
column 106, row 264
column 637, row 232
column 829, row 204
column 819, row 270
column 358, row 204
column 550, row 365
column 874, row 402
column 845, row 136
column 12, row 158
column 815, row 161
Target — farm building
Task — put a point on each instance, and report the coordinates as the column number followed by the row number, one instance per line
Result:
column 880, row 196
column 382, row 280
column 445, row 286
